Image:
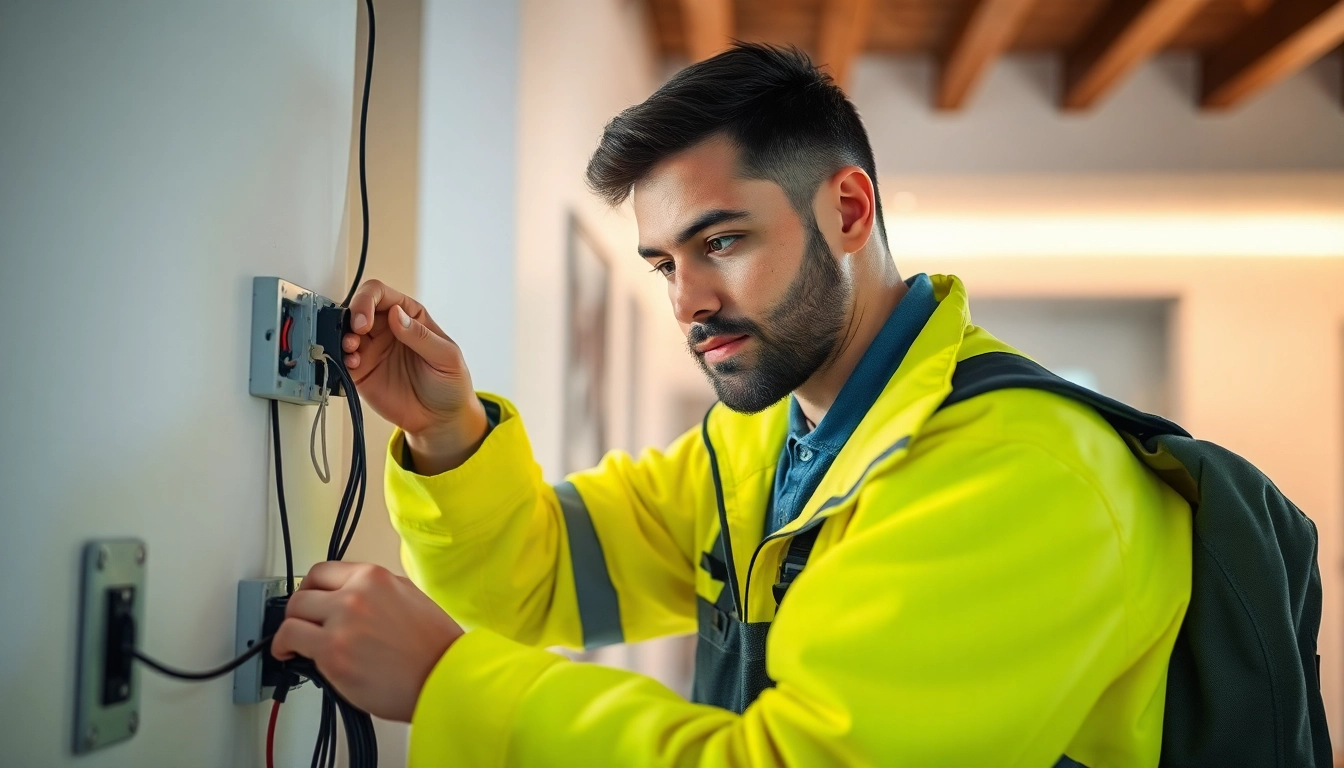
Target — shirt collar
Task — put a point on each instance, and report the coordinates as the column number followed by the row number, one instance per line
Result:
column 875, row 369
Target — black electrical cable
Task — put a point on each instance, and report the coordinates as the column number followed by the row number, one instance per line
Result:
column 209, row 674
column 361, row 741
column 353, row 503
column 280, row 497
column 363, row 177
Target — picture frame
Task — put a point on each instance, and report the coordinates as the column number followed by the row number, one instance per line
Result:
column 588, row 288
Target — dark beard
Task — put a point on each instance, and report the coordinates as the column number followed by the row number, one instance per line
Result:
column 800, row 336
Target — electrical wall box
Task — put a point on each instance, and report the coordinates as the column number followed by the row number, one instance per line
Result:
column 288, row 323
column 258, row 616
column 112, row 608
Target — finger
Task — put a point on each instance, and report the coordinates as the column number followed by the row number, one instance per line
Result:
column 314, row 605
column 436, row 350
column 328, row 575
column 351, row 360
column 349, row 343
column 298, row 637
column 374, row 297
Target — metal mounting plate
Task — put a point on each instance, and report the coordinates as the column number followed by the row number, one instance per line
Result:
column 107, row 564
column 284, row 325
column 252, row 597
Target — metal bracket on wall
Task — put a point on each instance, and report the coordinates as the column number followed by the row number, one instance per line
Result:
column 107, row 693
column 286, row 322
column 250, row 683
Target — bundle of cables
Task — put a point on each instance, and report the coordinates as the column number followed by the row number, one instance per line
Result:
column 361, row 743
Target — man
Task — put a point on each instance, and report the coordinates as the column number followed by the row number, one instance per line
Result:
column 995, row 583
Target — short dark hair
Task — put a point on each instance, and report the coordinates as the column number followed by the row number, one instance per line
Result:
column 791, row 123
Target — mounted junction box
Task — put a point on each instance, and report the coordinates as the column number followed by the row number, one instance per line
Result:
column 107, row 692
column 288, row 322
column 259, row 614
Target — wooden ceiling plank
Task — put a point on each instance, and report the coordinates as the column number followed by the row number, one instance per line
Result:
column 1289, row 35
column 708, row 25
column 844, row 33
column 987, row 33
column 1128, row 34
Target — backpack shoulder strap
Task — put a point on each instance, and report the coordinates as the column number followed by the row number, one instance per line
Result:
column 993, row 371
column 990, row 372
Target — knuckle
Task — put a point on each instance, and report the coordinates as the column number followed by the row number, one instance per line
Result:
column 355, row 603
column 295, row 602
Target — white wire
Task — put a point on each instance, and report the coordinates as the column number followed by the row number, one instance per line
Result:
column 323, row 470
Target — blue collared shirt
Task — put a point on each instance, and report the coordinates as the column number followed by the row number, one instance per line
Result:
column 807, row 455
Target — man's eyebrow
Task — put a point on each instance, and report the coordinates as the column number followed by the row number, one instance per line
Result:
column 703, row 221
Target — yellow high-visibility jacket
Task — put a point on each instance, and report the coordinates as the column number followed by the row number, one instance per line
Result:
column 998, row 583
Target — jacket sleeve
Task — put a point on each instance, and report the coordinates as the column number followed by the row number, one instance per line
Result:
column 604, row 557
column 967, row 623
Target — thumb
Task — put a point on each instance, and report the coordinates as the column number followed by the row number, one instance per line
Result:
column 441, row 354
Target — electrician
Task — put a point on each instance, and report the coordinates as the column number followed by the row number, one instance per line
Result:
column 995, row 583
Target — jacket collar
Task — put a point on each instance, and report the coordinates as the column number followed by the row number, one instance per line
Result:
column 749, row 445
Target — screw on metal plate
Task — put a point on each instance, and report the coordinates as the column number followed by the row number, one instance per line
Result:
column 103, row 555
column 91, row 736
column 133, row 724
column 140, row 555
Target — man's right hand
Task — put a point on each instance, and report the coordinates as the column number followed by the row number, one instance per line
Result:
column 414, row 376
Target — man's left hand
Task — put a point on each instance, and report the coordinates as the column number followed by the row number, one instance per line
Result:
column 374, row 635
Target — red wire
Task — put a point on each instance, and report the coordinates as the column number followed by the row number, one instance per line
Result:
column 284, row 334
column 270, row 736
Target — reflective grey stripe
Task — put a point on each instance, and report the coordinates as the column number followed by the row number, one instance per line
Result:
column 599, row 611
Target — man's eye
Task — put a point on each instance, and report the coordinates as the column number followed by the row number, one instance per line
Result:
column 664, row 268
column 722, row 242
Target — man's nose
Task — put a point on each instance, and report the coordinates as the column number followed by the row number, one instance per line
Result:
column 694, row 294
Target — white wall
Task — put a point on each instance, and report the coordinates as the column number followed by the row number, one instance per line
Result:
column 154, row 157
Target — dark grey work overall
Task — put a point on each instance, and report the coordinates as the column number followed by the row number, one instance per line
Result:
column 730, row 654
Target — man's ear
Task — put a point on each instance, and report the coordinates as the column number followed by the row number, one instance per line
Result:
column 848, row 202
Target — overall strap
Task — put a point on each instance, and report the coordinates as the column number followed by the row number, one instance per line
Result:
column 800, row 549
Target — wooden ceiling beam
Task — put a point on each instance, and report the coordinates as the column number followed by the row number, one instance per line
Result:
column 987, row 33
column 708, row 26
column 1127, row 35
column 1288, row 36
column 844, row 33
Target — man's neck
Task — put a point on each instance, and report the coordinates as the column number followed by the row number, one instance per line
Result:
column 877, row 292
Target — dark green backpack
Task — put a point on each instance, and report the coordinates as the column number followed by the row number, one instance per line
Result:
column 1243, row 686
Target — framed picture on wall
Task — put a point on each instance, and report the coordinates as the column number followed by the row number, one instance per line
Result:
column 587, row 315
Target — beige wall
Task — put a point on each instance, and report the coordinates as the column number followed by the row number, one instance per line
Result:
column 582, row 62
column 1012, row 124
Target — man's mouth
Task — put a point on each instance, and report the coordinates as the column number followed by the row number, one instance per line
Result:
column 716, row 349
